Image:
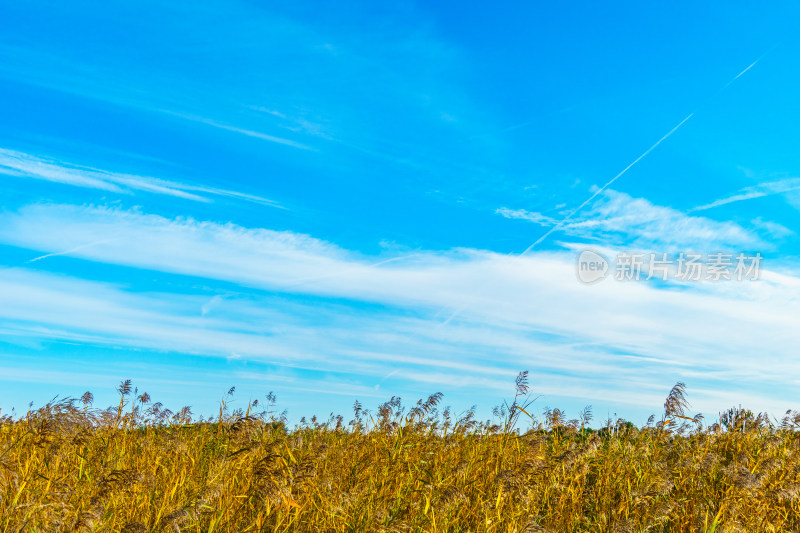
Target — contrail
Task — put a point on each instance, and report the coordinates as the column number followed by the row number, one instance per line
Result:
column 646, row 152
column 745, row 70
column 67, row 252
column 604, row 187
column 615, row 178
column 751, row 65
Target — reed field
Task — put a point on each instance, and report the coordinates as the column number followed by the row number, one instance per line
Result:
column 137, row 467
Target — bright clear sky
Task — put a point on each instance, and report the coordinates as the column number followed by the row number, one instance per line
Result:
column 330, row 200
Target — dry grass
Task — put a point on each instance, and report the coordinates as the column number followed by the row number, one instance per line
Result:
column 138, row 468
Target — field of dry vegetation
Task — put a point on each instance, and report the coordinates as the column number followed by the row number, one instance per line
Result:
column 138, row 467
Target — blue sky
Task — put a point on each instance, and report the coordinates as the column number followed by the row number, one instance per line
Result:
column 331, row 201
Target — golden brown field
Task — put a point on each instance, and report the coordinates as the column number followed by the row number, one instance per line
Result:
column 138, row 467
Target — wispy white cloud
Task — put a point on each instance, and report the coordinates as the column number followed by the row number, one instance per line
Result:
column 336, row 85
column 236, row 129
column 482, row 351
column 761, row 190
column 649, row 225
column 768, row 227
column 22, row 165
column 603, row 342
column 530, row 216
column 617, row 219
column 297, row 124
